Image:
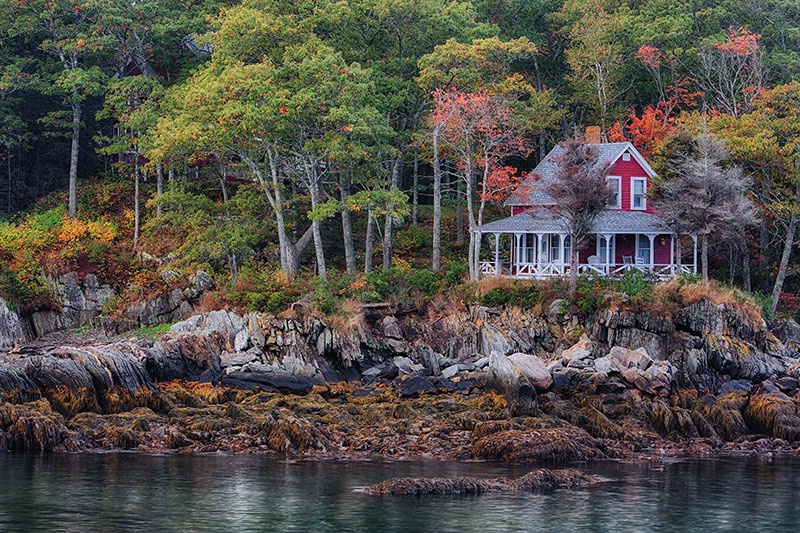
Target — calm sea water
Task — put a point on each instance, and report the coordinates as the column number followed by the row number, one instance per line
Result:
column 132, row 492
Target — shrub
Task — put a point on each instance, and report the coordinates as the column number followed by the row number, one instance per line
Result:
column 455, row 273
column 424, row 281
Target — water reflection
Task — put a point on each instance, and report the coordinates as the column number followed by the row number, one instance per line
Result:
column 130, row 492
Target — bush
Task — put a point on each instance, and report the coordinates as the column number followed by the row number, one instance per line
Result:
column 455, row 274
column 424, row 281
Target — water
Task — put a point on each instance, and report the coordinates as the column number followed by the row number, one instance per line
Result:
column 133, row 492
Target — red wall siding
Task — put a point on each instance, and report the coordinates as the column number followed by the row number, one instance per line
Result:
column 661, row 252
column 625, row 245
column 517, row 209
column 589, row 248
column 627, row 170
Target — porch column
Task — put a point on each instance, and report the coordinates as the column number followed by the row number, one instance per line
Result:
column 497, row 264
column 694, row 253
column 562, row 249
column 539, row 249
column 652, row 251
column 607, row 237
column 517, row 252
column 672, row 254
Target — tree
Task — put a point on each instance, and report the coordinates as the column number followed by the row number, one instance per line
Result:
column 66, row 31
column 766, row 142
column 479, row 132
column 732, row 73
column 703, row 195
column 581, row 191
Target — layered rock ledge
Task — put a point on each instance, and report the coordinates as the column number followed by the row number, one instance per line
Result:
column 505, row 385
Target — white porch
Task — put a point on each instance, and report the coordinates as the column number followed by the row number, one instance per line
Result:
column 540, row 255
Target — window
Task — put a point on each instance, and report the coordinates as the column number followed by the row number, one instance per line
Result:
column 638, row 191
column 643, row 250
column 555, row 248
column 626, row 156
column 529, row 255
column 602, row 249
column 615, row 184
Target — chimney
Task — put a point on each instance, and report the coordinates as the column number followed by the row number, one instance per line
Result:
column 593, row 134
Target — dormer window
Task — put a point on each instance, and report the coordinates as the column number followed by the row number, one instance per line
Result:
column 638, row 191
column 615, row 184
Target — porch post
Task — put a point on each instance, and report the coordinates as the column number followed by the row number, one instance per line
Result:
column 515, row 261
column 607, row 237
column 497, row 264
column 561, row 252
column 672, row 254
column 652, row 251
column 694, row 253
column 539, row 249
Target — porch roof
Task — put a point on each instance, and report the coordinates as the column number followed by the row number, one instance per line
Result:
column 608, row 221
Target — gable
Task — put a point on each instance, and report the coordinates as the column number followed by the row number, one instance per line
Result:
column 625, row 162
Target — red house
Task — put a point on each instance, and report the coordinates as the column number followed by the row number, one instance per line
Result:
column 627, row 234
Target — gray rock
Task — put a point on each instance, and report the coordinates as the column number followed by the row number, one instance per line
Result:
column 481, row 363
column 509, row 381
column 493, row 341
column 578, row 354
column 237, row 359
column 625, row 358
column 737, row 386
column 404, row 364
column 605, row 365
column 450, row 371
column 192, row 323
column 534, row 369
column 373, row 372
column 168, row 275
column 391, row 327
column 242, row 341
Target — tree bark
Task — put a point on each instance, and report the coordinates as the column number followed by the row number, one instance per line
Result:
column 388, row 232
column 312, row 176
column 73, row 157
column 415, row 192
column 787, row 252
column 368, row 243
column 437, row 204
column 159, row 187
column 136, row 172
column 704, row 255
column 347, row 231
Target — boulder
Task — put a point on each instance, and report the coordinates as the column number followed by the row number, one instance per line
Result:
column 493, row 341
column 506, row 379
column 624, row 358
column 579, row 354
column 534, row 369
column 414, row 386
column 391, row 328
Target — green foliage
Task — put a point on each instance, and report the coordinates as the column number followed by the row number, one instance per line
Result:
column 455, row 273
column 525, row 294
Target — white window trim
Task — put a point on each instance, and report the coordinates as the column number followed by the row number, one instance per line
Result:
column 644, row 196
column 639, row 238
column 626, row 156
column 599, row 253
column 618, row 179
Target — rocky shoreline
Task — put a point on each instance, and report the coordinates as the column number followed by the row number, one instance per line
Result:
column 479, row 384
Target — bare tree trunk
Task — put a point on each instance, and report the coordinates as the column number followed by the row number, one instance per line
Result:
column 415, row 192
column 787, row 252
column 763, row 258
column 459, row 217
column 347, row 231
column 136, row 172
column 704, row 254
column 437, row 205
column 388, row 232
column 313, row 189
column 573, row 267
column 159, row 187
column 73, row 155
column 746, row 283
column 368, row 243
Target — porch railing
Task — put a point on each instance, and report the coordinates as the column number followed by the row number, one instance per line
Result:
column 551, row 270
